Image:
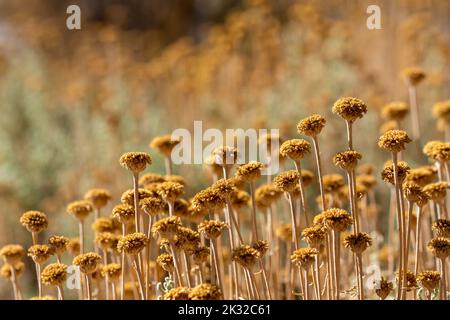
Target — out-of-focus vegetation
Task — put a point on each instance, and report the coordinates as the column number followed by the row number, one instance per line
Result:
column 71, row 102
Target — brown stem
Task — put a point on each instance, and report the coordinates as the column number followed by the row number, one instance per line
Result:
column 337, row 261
column 417, row 247
column 122, row 277
column 293, row 221
column 147, row 264
column 81, row 231
column 302, row 191
column 352, row 202
column 88, row 286
column 136, row 200
column 60, row 292
column 138, row 275
column 216, row 263
column 255, row 236
column 319, row 171
column 360, row 276
column 168, row 165
column 349, row 125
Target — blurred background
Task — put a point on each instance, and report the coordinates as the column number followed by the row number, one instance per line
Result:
column 71, row 102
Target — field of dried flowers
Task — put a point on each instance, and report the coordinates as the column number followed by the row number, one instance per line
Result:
column 73, row 103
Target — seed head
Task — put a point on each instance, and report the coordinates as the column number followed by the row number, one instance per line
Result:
column 135, row 161
column 441, row 227
column 411, row 282
column 347, row 160
column 40, row 253
column 34, row 221
column 333, row 182
column 437, row 190
column 54, row 274
column 5, row 270
column 102, row 224
column 349, row 109
column 412, row 191
column 212, row 229
column 128, row 196
column 287, row 181
column 312, row 125
column 441, row 111
column 358, row 243
column 175, row 178
column 304, row 257
column 58, row 244
column 200, row 255
column 429, row 279
column 12, row 253
column 79, row 209
column 123, row 213
column 88, row 262
column 440, row 247
column 422, row 175
column 187, row 239
column 98, row 197
column 150, row 178
column 367, row 180
column 210, row 199
column 105, row 240
column 413, row 75
column 284, row 232
column 296, row 149
column 337, row 219
column 205, row 291
column 112, row 271
column 266, row 195
column 169, row 191
column 245, row 255
column 152, row 206
column 164, row 144
column 396, row 110
column 132, row 243
column 384, row 288
column 74, row 246
column 394, row 140
column 240, row 199
column 437, row 151
column 178, row 293
column 262, row 246
column 314, row 235
column 165, row 261
column 388, row 172
column 166, row 228
column 225, row 187
column 250, row 171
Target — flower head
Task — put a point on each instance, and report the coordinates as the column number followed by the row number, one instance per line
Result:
column 441, row 227
column 304, row 257
column 135, row 161
column 394, row 140
column 384, row 288
column 178, row 293
column 34, row 221
column 132, row 243
column 123, row 213
column 225, row 187
column 388, row 172
column 429, row 279
column 165, row 261
column 396, row 110
column 422, row 175
column 440, row 247
column 164, row 144
column 205, row 291
column 295, row 149
column 212, row 229
column 413, row 75
column 347, row 160
column 358, row 243
column 5, row 270
column 225, row 156
column 152, row 206
column 314, row 235
column 58, row 244
column 128, row 196
column 210, row 199
column 266, row 195
column 245, row 255
column 437, row 190
column 441, row 111
column 98, row 197
column 200, row 254
column 262, row 246
column 112, row 271
column 170, row 191
column 102, row 224
column 12, row 253
column 337, row 219
column 88, row 262
column 80, row 209
column 312, row 125
column 287, row 181
column 40, row 253
column 250, row 171
column 349, row 108
column 333, row 182
column 167, row 227
column 54, row 274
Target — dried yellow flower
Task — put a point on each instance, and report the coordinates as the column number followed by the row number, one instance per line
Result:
column 245, row 255
column 58, row 244
column 12, row 253
column 132, row 243
column 394, row 140
column 212, row 229
column 80, row 209
column 287, row 181
column 347, row 160
column 358, row 243
column 295, row 149
column 304, row 257
column 88, row 262
column 440, row 247
column 54, row 274
column 312, row 125
column 396, row 110
column 349, row 108
column 40, row 253
column 98, row 197
column 34, row 221
column 178, row 293
column 135, row 161
column 429, row 279
column 123, row 213
column 164, row 144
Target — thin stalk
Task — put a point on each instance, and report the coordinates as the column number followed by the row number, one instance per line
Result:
column 317, row 277
column 408, row 233
column 81, row 231
column 319, row 171
column 443, row 290
column 113, row 290
column 349, row 125
column 88, row 286
column 293, row 221
column 14, row 282
column 417, row 247
column 306, row 294
column 216, row 263
column 122, row 276
column 302, row 192
column 105, row 261
column 264, row 276
column 253, row 283
column 414, row 113
column 234, row 282
column 176, row 263
column 400, row 223
column 337, row 250
column 255, row 236
column 188, row 273
column 168, row 165
column 137, row 219
column 360, row 276
column 352, row 202
column 147, row 265
column 60, row 292
column 138, row 275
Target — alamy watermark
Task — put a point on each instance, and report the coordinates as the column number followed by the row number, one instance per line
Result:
column 197, row 146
